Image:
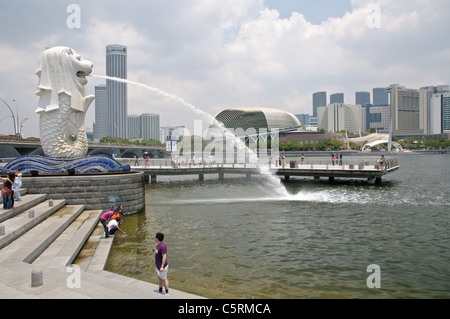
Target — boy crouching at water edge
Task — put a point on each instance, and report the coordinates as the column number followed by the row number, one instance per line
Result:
column 114, row 216
column 113, row 226
column 161, row 263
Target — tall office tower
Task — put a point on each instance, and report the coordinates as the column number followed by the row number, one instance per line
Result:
column 134, row 126
column 319, row 99
column 101, row 112
column 440, row 113
column 337, row 98
column 150, row 128
column 407, row 111
column 427, row 93
column 380, row 97
column 446, row 112
column 144, row 126
column 338, row 117
column 116, row 66
column 362, row 98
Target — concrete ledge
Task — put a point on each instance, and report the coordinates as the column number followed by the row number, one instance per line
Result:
column 101, row 255
column 92, row 190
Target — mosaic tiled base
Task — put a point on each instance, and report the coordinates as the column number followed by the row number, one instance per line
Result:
column 85, row 165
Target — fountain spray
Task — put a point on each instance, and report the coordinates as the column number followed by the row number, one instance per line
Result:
column 264, row 169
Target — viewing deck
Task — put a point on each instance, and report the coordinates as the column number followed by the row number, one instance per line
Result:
column 371, row 170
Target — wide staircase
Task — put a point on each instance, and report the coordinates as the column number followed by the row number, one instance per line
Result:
column 49, row 249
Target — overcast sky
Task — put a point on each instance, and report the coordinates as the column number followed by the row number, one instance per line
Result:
column 218, row 54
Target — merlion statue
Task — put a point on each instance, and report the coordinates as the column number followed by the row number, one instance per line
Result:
column 62, row 102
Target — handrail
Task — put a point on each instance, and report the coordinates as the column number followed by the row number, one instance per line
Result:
column 356, row 163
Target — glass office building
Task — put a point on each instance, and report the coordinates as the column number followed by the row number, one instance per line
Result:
column 116, row 66
column 380, row 97
column 337, row 98
column 101, row 112
column 446, row 112
column 319, row 99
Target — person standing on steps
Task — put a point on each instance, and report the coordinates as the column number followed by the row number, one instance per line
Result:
column 17, row 185
column 161, row 263
column 8, row 190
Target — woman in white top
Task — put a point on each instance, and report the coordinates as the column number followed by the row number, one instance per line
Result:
column 17, row 184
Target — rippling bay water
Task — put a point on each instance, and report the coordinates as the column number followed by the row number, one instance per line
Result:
column 236, row 239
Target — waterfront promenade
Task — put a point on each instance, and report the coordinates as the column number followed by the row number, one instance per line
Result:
column 51, row 250
column 369, row 169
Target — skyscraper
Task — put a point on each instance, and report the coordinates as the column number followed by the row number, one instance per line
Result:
column 116, row 66
column 134, row 127
column 144, row 126
column 101, row 112
column 407, row 112
column 380, row 97
column 340, row 117
column 337, row 98
column 427, row 93
column 362, row 98
column 446, row 112
column 319, row 99
column 150, row 128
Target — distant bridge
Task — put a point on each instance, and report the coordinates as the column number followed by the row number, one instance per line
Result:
column 14, row 149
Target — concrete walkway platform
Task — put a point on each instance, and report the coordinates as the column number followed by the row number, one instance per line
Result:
column 59, row 252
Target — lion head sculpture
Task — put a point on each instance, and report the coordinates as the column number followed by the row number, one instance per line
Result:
column 61, row 70
column 62, row 102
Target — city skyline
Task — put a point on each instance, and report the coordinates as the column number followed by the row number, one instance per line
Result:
column 233, row 54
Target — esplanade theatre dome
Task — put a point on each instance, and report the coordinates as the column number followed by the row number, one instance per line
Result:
column 258, row 117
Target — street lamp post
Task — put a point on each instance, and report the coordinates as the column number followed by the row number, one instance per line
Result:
column 12, row 114
column 21, row 125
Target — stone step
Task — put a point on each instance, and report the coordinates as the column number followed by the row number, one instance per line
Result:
column 32, row 244
column 95, row 252
column 27, row 202
column 122, row 287
column 19, row 224
column 63, row 251
column 23, row 191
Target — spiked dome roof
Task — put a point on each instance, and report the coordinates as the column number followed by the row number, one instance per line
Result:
column 257, row 117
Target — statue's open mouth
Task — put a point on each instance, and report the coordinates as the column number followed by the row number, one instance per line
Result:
column 82, row 74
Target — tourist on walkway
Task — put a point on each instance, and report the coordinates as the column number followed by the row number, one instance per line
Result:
column 382, row 162
column 161, row 263
column 340, row 159
column 17, row 185
column 332, row 159
column 8, row 190
column 302, row 158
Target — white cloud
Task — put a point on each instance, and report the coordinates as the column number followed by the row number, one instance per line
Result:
column 219, row 54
